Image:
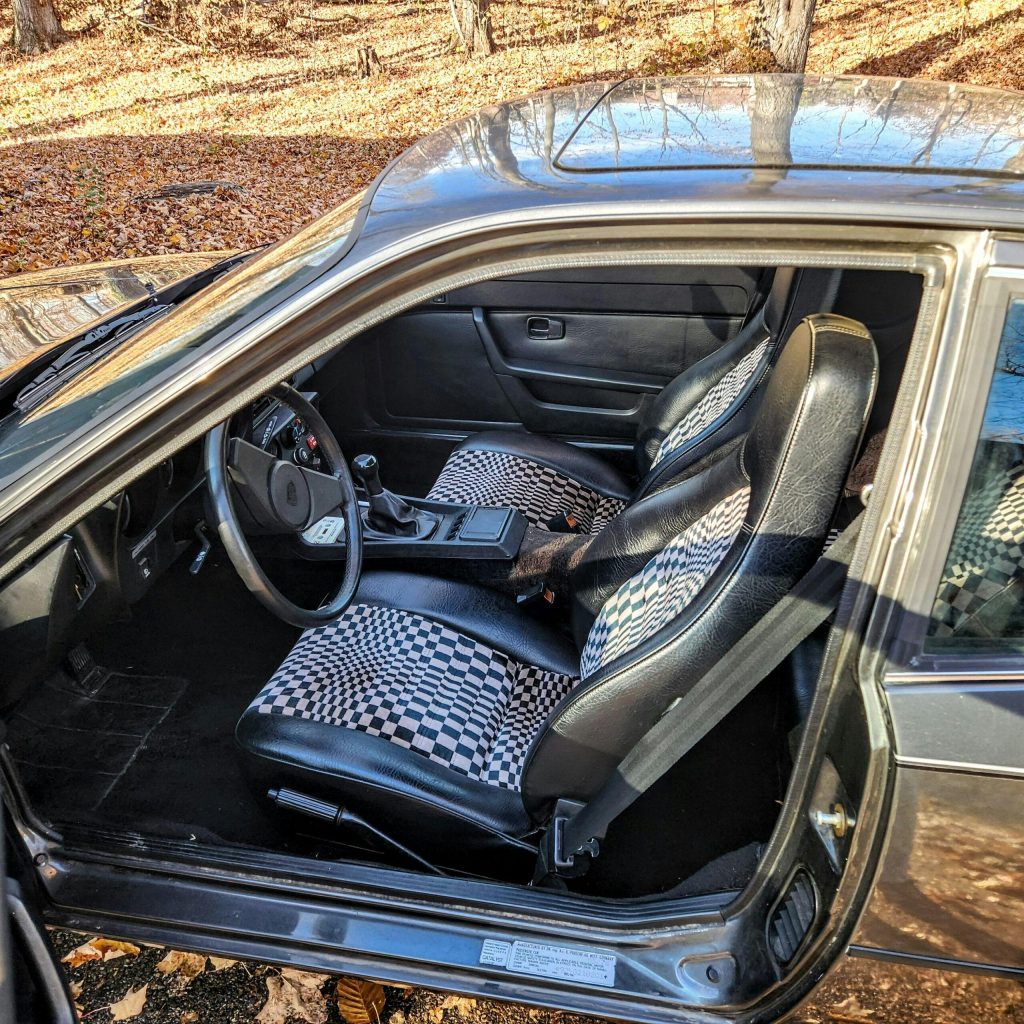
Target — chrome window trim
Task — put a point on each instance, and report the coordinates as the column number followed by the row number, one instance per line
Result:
column 671, row 241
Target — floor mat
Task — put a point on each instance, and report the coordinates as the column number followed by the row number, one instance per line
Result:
column 78, row 742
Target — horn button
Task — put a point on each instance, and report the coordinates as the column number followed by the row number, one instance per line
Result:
column 289, row 495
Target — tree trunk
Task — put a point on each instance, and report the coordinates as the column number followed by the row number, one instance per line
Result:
column 37, row 27
column 783, row 29
column 473, row 25
column 369, row 63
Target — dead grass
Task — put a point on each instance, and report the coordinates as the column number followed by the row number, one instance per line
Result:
column 88, row 128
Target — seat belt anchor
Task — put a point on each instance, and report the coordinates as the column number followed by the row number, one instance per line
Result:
column 555, row 858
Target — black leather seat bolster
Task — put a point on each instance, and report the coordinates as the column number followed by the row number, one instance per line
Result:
column 568, row 459
column 405, row 794
column 685, row 393
column 485, row 615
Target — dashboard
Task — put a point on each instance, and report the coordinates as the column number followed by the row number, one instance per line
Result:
column 111, row 558
column 277, row 430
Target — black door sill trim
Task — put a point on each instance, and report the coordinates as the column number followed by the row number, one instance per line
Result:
column 376, row 885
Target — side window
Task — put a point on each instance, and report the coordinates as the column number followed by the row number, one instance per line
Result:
column 980, row 600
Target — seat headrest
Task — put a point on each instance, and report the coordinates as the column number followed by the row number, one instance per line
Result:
column 815, row 401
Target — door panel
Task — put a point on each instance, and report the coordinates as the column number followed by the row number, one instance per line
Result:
column 663, row 345
column 431, row 366
column 578, row 354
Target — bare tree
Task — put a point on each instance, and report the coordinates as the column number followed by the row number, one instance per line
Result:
column 37, row 26
column 783, row 29
column 473, row 25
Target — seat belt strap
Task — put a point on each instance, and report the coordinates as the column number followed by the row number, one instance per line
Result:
column 573, row 838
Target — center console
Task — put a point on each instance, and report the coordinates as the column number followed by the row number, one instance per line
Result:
column 397, row 527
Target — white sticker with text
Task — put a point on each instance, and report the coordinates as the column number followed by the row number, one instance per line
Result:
column 545, row 961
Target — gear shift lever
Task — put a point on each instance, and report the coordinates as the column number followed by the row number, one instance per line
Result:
column 388, row 513
column 367, row 469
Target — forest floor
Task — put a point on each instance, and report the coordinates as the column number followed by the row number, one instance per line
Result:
column 89, row 129
column 149, row 985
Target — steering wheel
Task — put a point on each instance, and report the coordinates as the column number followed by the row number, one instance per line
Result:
column 281, row 498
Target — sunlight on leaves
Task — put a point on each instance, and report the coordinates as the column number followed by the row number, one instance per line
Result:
column 359, row 1001
column 131, row 1006
column 292, row 997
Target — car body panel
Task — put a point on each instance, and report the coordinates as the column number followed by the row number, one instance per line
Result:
column 511, row 156
column 951, row 882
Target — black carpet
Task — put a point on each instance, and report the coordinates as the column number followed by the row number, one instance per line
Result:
column 147, row 746
column 77, row 742
column 151, row 748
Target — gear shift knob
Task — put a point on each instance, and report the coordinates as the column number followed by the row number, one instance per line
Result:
column 367, row 469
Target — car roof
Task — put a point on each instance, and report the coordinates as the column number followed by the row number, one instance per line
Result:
column 941, row 151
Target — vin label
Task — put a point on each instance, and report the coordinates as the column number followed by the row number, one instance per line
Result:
column 545, row 961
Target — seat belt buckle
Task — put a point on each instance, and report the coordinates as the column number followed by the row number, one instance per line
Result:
column 554, row 858
column 538, row 594
column 565, row 522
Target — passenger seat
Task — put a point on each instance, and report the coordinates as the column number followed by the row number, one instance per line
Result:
column 559, row 486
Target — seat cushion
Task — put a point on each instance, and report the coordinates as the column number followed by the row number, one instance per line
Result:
column 654, row 597
column 719, row 400
column 417, row 717
column 540, row 477
column 418, row 684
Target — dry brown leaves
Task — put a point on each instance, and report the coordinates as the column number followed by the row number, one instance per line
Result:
column 100, row 949
column 88, row 130
column 294, row 996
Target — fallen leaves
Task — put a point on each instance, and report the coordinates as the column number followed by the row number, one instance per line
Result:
column 294, row 996
column 131, row 1006
column 290, row 132
column 186, row 965
column 463, row 1007
column 100, row 949
column 359, row 1001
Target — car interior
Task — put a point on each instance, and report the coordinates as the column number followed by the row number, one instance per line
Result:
column 575, row 491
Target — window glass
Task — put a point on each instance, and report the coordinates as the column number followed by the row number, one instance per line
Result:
column 980, row 601
column 247, row 292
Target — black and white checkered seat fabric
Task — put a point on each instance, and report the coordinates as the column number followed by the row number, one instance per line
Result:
column 498, row 479
column 716, row 402
column 987, row 552
column 661, row 590
column 420, row 685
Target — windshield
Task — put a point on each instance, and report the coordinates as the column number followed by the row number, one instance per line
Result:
column 223, row 307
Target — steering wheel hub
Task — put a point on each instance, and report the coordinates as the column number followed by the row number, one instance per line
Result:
column 289, row 495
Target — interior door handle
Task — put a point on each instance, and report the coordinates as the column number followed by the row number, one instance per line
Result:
column 544, row 328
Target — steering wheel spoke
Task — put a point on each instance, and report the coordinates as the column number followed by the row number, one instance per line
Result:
column 326, row 494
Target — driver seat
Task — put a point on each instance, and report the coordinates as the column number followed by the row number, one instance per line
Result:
column 452, row 720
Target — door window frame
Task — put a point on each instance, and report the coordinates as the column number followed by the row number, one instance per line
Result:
column 945, row 438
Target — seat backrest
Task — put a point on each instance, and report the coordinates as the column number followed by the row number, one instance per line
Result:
column 678, row 577
column 714, row 402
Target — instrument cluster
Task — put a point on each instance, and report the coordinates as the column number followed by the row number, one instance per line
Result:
column 279, row 431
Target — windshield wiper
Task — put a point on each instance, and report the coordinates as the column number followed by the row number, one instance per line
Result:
column 92, row 345
column 77, row 353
